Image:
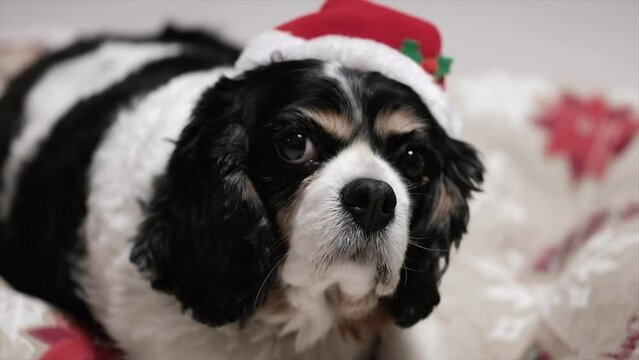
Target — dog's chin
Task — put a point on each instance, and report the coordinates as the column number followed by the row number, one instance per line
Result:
column 338, row 287
column 361, row 264
column 357, row 274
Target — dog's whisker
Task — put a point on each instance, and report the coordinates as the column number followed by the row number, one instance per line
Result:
column 278, row 245
column 421, row 238
column 259, row 291
column 426, row 248
column 423, row 195
column 413, row 270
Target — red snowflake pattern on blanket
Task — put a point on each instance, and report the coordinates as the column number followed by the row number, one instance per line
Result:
column 69, row 342
column 590, row 132
column 554, row 257
column 629, row 344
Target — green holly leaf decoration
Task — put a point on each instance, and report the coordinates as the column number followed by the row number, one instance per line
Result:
column 411, row 49
column 443, row 66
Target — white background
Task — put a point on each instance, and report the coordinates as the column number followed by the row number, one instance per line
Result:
column 591, row 43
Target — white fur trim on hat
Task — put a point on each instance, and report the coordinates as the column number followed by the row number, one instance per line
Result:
column 361, row 54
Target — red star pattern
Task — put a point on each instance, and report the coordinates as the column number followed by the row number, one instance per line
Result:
column 69, row 342
column 589, row 132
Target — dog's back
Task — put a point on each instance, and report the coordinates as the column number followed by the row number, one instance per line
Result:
column 53, row 117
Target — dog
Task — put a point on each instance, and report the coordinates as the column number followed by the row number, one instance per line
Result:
column 185, row 210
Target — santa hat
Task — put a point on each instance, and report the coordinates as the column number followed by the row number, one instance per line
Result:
column 365, row 36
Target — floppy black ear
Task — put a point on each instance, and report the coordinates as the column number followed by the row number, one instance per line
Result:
column 462, row 173
column 207, row 238
column 440, row 220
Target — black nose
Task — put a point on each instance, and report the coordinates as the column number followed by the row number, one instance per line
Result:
column 370, row 202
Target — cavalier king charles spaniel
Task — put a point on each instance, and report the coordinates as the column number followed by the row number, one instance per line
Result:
column 184, row 210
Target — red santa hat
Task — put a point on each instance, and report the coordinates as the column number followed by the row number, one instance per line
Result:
column 365, row 36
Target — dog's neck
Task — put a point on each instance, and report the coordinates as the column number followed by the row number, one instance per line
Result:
column 306, row 317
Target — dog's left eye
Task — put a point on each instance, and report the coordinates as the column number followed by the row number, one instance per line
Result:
column 296, row 148
column 412, row 164
column 418, row 164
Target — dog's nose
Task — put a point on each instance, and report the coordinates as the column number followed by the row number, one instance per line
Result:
column 370, row 202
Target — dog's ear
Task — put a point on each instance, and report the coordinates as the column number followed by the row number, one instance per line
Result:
column 440, row 222
column 462, row 174
column 207, row 238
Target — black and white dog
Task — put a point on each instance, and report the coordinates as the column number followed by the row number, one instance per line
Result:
column 187, row 211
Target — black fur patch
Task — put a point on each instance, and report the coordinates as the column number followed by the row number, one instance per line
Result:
column 41, row 241
column 199, row 39
column 12, row 102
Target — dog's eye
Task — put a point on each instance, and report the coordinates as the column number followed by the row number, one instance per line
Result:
column 296, row 148
column 412, row 164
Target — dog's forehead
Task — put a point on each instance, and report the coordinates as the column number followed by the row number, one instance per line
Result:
column 364, row 110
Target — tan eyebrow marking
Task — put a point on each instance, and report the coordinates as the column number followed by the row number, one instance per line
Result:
column 396, row 122
column 333, row 123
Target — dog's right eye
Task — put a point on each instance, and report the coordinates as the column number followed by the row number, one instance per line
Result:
column 296, row 148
